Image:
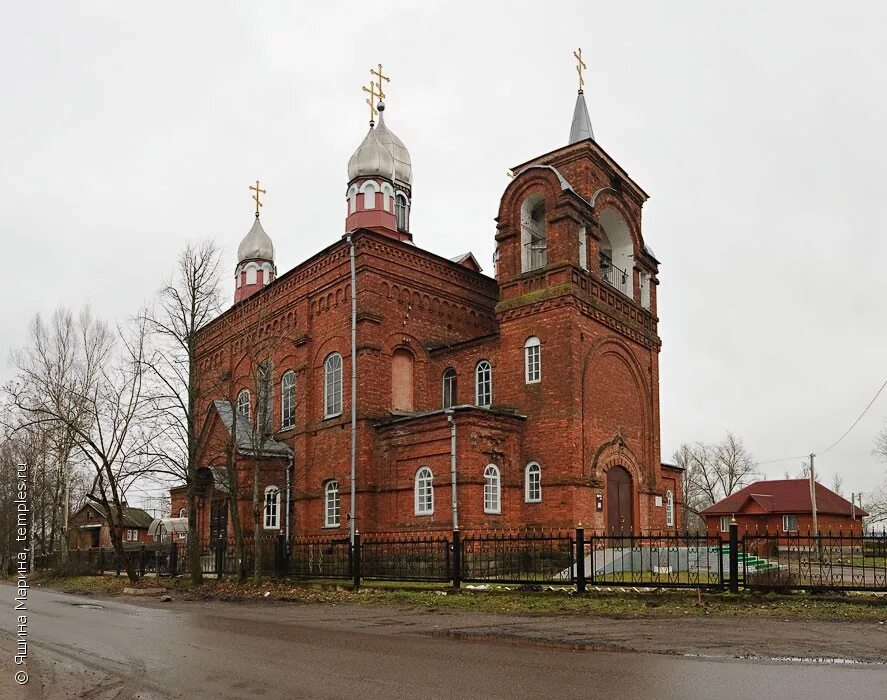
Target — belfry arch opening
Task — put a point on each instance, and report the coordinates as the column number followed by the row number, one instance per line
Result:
column 534, row 239
column 617, row 252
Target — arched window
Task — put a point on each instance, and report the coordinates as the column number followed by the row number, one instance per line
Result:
column 402, row 380
column 332, row 504
column 424, row 492
column 483, row 384
column 492, row 499
column 449, row 388
column 288, row 399
column 272, row 508
column 252, row 273
column 332, row 382
column 534, row 245
column 369, row 189
column 401, row 212
column 243, row 403
column 617, row 252
column 532, row 360
column 183, row 513
column 669, row 509
column 533, row 483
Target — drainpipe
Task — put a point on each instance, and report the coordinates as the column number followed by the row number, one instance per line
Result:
column 289, row 471
column 455, row 499
column 352, row 521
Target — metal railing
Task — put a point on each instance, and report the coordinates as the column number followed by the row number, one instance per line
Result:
column 615, row 276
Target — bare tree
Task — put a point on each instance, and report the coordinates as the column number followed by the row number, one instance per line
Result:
column 79, row 377
column 186, row 304
column 838, row 484
column 734, row 467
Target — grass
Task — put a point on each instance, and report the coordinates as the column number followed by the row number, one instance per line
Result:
column 600, row 603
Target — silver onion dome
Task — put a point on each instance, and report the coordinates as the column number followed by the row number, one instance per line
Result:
column 371, row 159
column 256, row 245
column 403, row 169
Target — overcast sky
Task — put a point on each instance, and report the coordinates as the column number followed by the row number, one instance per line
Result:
column 757, row 128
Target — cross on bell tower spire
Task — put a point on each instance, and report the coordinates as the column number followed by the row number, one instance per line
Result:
column 580, row 128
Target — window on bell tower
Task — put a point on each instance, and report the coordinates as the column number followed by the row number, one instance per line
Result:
column 534, row 243
column 401, row 212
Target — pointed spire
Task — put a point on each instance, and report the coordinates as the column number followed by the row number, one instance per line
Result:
column 580, row 129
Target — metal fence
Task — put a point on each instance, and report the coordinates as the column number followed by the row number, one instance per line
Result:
column 572, row 558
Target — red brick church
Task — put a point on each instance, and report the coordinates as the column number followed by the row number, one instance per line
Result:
column 380, row 386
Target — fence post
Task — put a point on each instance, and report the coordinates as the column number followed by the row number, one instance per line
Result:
column 355, row 561
column 173, row 558
column 117, row 562
column 101, row 561
column 580, row 559
column 220, row 568
column 142, row 562
column 457, row 559
column 734, row 556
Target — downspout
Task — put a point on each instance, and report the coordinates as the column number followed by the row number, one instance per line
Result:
column 352, row 521
column 455, row 493
column 289, row 471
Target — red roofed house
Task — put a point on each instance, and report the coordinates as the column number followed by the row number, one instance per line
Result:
column 783, row 506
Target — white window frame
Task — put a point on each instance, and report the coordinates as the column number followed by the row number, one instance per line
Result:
column 332, row 385
column 492, row 490
column 449, row 377
column 423, row 491
column 244, row 404
column 271, row 509
column 332, row 504
column 785, row 522
column 669, row 509
column 532, row 360
column 288, row 400
column 483, row 384
column 724, row 523
column 183, row 512
column 533, row 483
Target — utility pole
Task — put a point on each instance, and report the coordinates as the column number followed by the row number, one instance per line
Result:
column 813, row 496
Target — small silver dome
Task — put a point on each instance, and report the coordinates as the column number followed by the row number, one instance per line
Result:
column 256, row 245
column 403, row 169
column 371, row 158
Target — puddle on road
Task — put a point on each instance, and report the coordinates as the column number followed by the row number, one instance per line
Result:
column 88, row 606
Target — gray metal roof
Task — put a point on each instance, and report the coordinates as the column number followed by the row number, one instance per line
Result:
column 256, row 245
column 371, row 158
column 246, row 444
column 580, row 129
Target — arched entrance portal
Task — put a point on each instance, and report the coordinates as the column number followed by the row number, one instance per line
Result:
column 619, row 500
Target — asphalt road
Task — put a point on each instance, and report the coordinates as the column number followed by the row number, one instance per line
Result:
column 86, row 648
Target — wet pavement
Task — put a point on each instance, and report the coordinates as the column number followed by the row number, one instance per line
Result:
column 109, row 648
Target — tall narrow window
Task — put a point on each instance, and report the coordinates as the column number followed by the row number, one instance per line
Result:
column 533, row 234
column 272, row 508
column 583, row 248
column 332, row 379
column 401, row 212
column 424, row 492
column 332, row 504
column 449, row 388
column 265, row 397
column 288, row 399
column 243, row 403
column 483, row 384
column 533, row 483
column 402, row 380
column 492, row 500
column 669, row 509
column 724, row 523
column 532, row 360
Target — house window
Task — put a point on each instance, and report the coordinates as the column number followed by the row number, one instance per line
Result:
column 533, row 483
column 272, row 508
column 183, row 513
column 532, row 360
column 424, row 492
column 243, row 403
column 332, row 379
column 669, row 509
column 483, row 384
column 332, row 504
column 492, row 500
column 132, row 535
column 449, row 388
column 288, row 400
column 789, row 523
column 725, row 523
column 401, row 212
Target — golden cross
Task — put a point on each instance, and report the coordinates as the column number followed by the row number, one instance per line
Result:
column 371, row 100
column 580, row 67
column 379, row 78
column 258, row 191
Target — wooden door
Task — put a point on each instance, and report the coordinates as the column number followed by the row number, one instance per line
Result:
column 619, row 500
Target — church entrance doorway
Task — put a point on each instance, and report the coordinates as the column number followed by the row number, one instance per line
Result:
column 619, row 500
